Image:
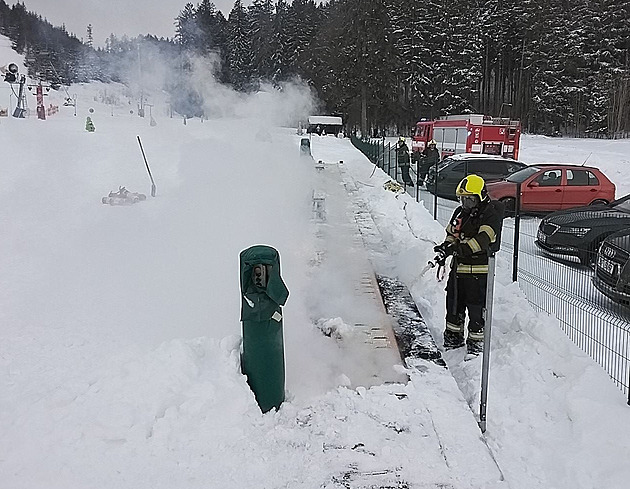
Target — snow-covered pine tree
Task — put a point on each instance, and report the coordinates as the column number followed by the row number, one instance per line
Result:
column 187, row 33
column 615, row 18
column 281, row 64
column 239, row 47
column 210, row 28
column 413, row 26
column 457, row 58
column 262, row 38
column 305, row 27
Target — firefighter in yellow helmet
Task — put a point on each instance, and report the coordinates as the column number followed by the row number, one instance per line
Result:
column 473, row 231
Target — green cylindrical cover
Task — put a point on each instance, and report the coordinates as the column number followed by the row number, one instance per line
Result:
column 262, row 359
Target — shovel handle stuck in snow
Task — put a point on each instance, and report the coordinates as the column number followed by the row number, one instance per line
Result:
column 148, row 169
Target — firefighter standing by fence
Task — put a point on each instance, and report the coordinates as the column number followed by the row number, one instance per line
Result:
column 402, row 157
column 427, row 158
column 473, row 231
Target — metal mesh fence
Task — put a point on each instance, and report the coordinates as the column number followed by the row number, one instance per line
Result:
column 381, row 153
column 582, row 280
column 561, row 281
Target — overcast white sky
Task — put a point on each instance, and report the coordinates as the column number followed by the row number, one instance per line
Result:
column 131, row 17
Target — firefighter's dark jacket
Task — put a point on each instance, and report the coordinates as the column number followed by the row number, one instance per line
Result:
column 429, row 157
column 471, row 234
column 402, row 154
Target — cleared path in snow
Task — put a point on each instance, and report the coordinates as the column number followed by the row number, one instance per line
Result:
column 452, row 437
column 343, row 271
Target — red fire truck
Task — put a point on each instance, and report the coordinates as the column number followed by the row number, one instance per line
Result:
column 469, row 133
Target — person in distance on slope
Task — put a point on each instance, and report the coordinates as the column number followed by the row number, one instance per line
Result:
column 473, row 231
column 428, row 158
column 402, row 157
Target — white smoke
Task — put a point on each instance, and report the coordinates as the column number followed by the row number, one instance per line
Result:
column 282, row 105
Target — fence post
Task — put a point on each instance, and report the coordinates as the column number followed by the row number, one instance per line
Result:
column 383, row 154
column 487, row 331
column 435, row 197
column 517, row 232
column 417, row 180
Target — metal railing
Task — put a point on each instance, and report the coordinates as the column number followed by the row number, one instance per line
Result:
column 563, row 286
column 560, row 286
column 381, row 153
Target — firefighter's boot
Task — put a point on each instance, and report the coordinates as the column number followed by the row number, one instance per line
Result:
column 453, row 339
column 474, row 347
column 474, row 342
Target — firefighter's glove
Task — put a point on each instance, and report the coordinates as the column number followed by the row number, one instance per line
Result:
column 440, row 259
column 441, row 253
column 446, row 249
column 441, row 248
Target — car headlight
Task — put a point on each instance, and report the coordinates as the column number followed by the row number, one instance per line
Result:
column 579, row 232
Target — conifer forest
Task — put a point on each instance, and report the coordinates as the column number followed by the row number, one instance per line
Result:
column 560, row 67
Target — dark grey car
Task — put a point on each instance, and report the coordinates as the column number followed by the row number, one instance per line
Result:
column 452, row 169
column 612, row 267
column 579, row 232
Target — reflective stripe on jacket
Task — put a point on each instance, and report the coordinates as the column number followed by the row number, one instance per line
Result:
column 476, row 231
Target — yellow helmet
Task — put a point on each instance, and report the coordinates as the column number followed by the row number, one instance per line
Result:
column 432, row 142
column 472, row 185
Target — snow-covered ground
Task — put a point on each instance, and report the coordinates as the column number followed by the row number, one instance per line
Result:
column 119, row 336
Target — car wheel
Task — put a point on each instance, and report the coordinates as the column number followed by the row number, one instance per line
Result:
column 510, row 206
column 599, row 202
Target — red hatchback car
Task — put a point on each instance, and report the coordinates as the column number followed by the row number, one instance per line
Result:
column 548, row 187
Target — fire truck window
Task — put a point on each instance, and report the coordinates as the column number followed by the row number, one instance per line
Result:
column 448, row 135
column 420, row 130
column 462, row 136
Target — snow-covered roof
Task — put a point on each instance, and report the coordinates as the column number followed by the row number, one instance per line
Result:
column 472, row 118
column 475, row 156
column 325, row 119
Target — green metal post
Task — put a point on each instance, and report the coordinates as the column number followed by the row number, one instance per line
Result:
column 262, row 294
